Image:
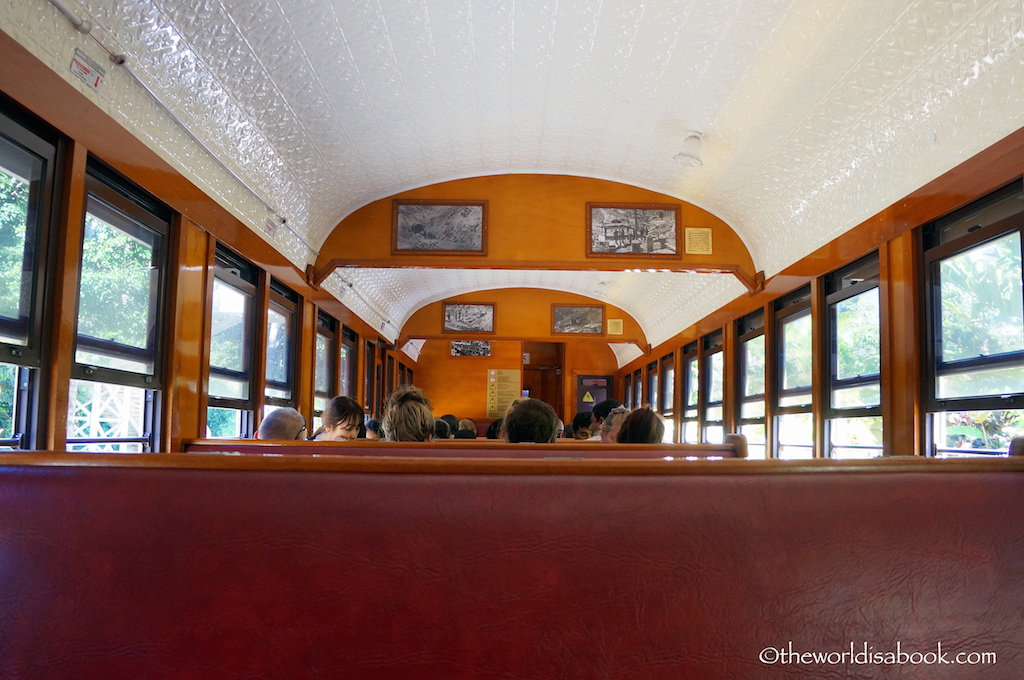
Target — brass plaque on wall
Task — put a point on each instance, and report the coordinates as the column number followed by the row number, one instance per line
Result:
column 503, row 385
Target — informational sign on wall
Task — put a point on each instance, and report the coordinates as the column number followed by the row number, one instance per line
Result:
column 503, row 385
column 87, row 70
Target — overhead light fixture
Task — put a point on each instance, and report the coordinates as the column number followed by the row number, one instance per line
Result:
column 690, row 155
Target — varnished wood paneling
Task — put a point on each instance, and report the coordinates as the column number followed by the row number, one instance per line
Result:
column 902, row 345
column 185, row 399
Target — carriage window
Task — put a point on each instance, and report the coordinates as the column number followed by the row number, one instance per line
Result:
column 751, row 370
column 117, row 372
column 280, row 367
column 976, row 325
column 27, row 163
column 714, row 384
column 324, row 373
column 21, row 178
column 230, row 412
column 350, row 360
column 667, row 367
column 795, row 424
column 652, row 386
column 854, row 416
column 691, row 393
column 122, row 262
column 638, row 388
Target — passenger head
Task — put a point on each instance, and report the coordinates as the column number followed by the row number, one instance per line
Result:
column 343, row 419
column 453, row 424
column 532, row 420
column 407, row 416
column 508, row 410
column 374, row 431
column 441, row 429
column 641, row 426
column 603, row 408
column 612, row 423
column 494, row 429
column 467, row 429
column 283, row 424
column 581, row 424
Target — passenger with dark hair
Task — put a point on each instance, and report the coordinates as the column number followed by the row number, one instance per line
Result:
column 467, row 429
column 531, row 420
column 408, row 416
column 494, row 429
column 453, row 424
column 282, row 424
column 601, row 410
column 374, row 431
column 441, row 429
column 342, row 420
column 581, row 424
column 641, row 426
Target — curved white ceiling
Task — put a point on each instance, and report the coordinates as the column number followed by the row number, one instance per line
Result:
column 662, row 303
column 816, row 114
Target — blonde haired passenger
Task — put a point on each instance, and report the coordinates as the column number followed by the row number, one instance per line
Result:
column 408, row 416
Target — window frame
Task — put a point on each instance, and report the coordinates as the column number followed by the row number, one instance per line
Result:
column 238, row 273
column 933, row 343
column 711, row 345
column 117, row 198
column 114, row 195
column 284, row 301
column 689, row 356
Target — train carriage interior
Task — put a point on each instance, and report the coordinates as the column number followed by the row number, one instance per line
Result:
column 764, row 217
column 791, row 229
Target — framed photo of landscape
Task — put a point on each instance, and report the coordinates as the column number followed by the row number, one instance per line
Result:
column 468, row 317
column 470, row 348
column 643, row 230
column 431, row 227
column 577, row 319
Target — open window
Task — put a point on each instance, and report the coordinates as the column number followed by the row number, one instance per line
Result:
column 975, row 384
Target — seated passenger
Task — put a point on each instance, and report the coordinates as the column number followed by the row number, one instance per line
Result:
column 467, row 429
column 641, row 426
column 531, row 420
column 374, row 432
column 441, row 429
column 408, row 416
column 612, row 423
column 508, row 409
column 453, row 424
column 581, row 425
column 343, row 421
column 282, row 424
column 494, row 429
column 601, row 411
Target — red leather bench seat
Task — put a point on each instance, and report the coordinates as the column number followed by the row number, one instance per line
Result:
column 197, row 566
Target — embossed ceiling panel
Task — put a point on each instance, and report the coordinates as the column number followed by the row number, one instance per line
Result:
column 662, row 303
column 816, row 114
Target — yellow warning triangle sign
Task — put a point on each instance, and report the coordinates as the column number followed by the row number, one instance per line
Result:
column 588, row 398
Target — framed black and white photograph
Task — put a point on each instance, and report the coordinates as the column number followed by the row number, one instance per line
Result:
column 633, row 229
column 469, row 317
column 470, row 348
column 439, row 227
column 577, row 320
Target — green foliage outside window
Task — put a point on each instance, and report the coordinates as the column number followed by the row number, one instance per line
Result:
column 8, row 385
column 981, row 301
column 14, row 195
column 118, row 285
